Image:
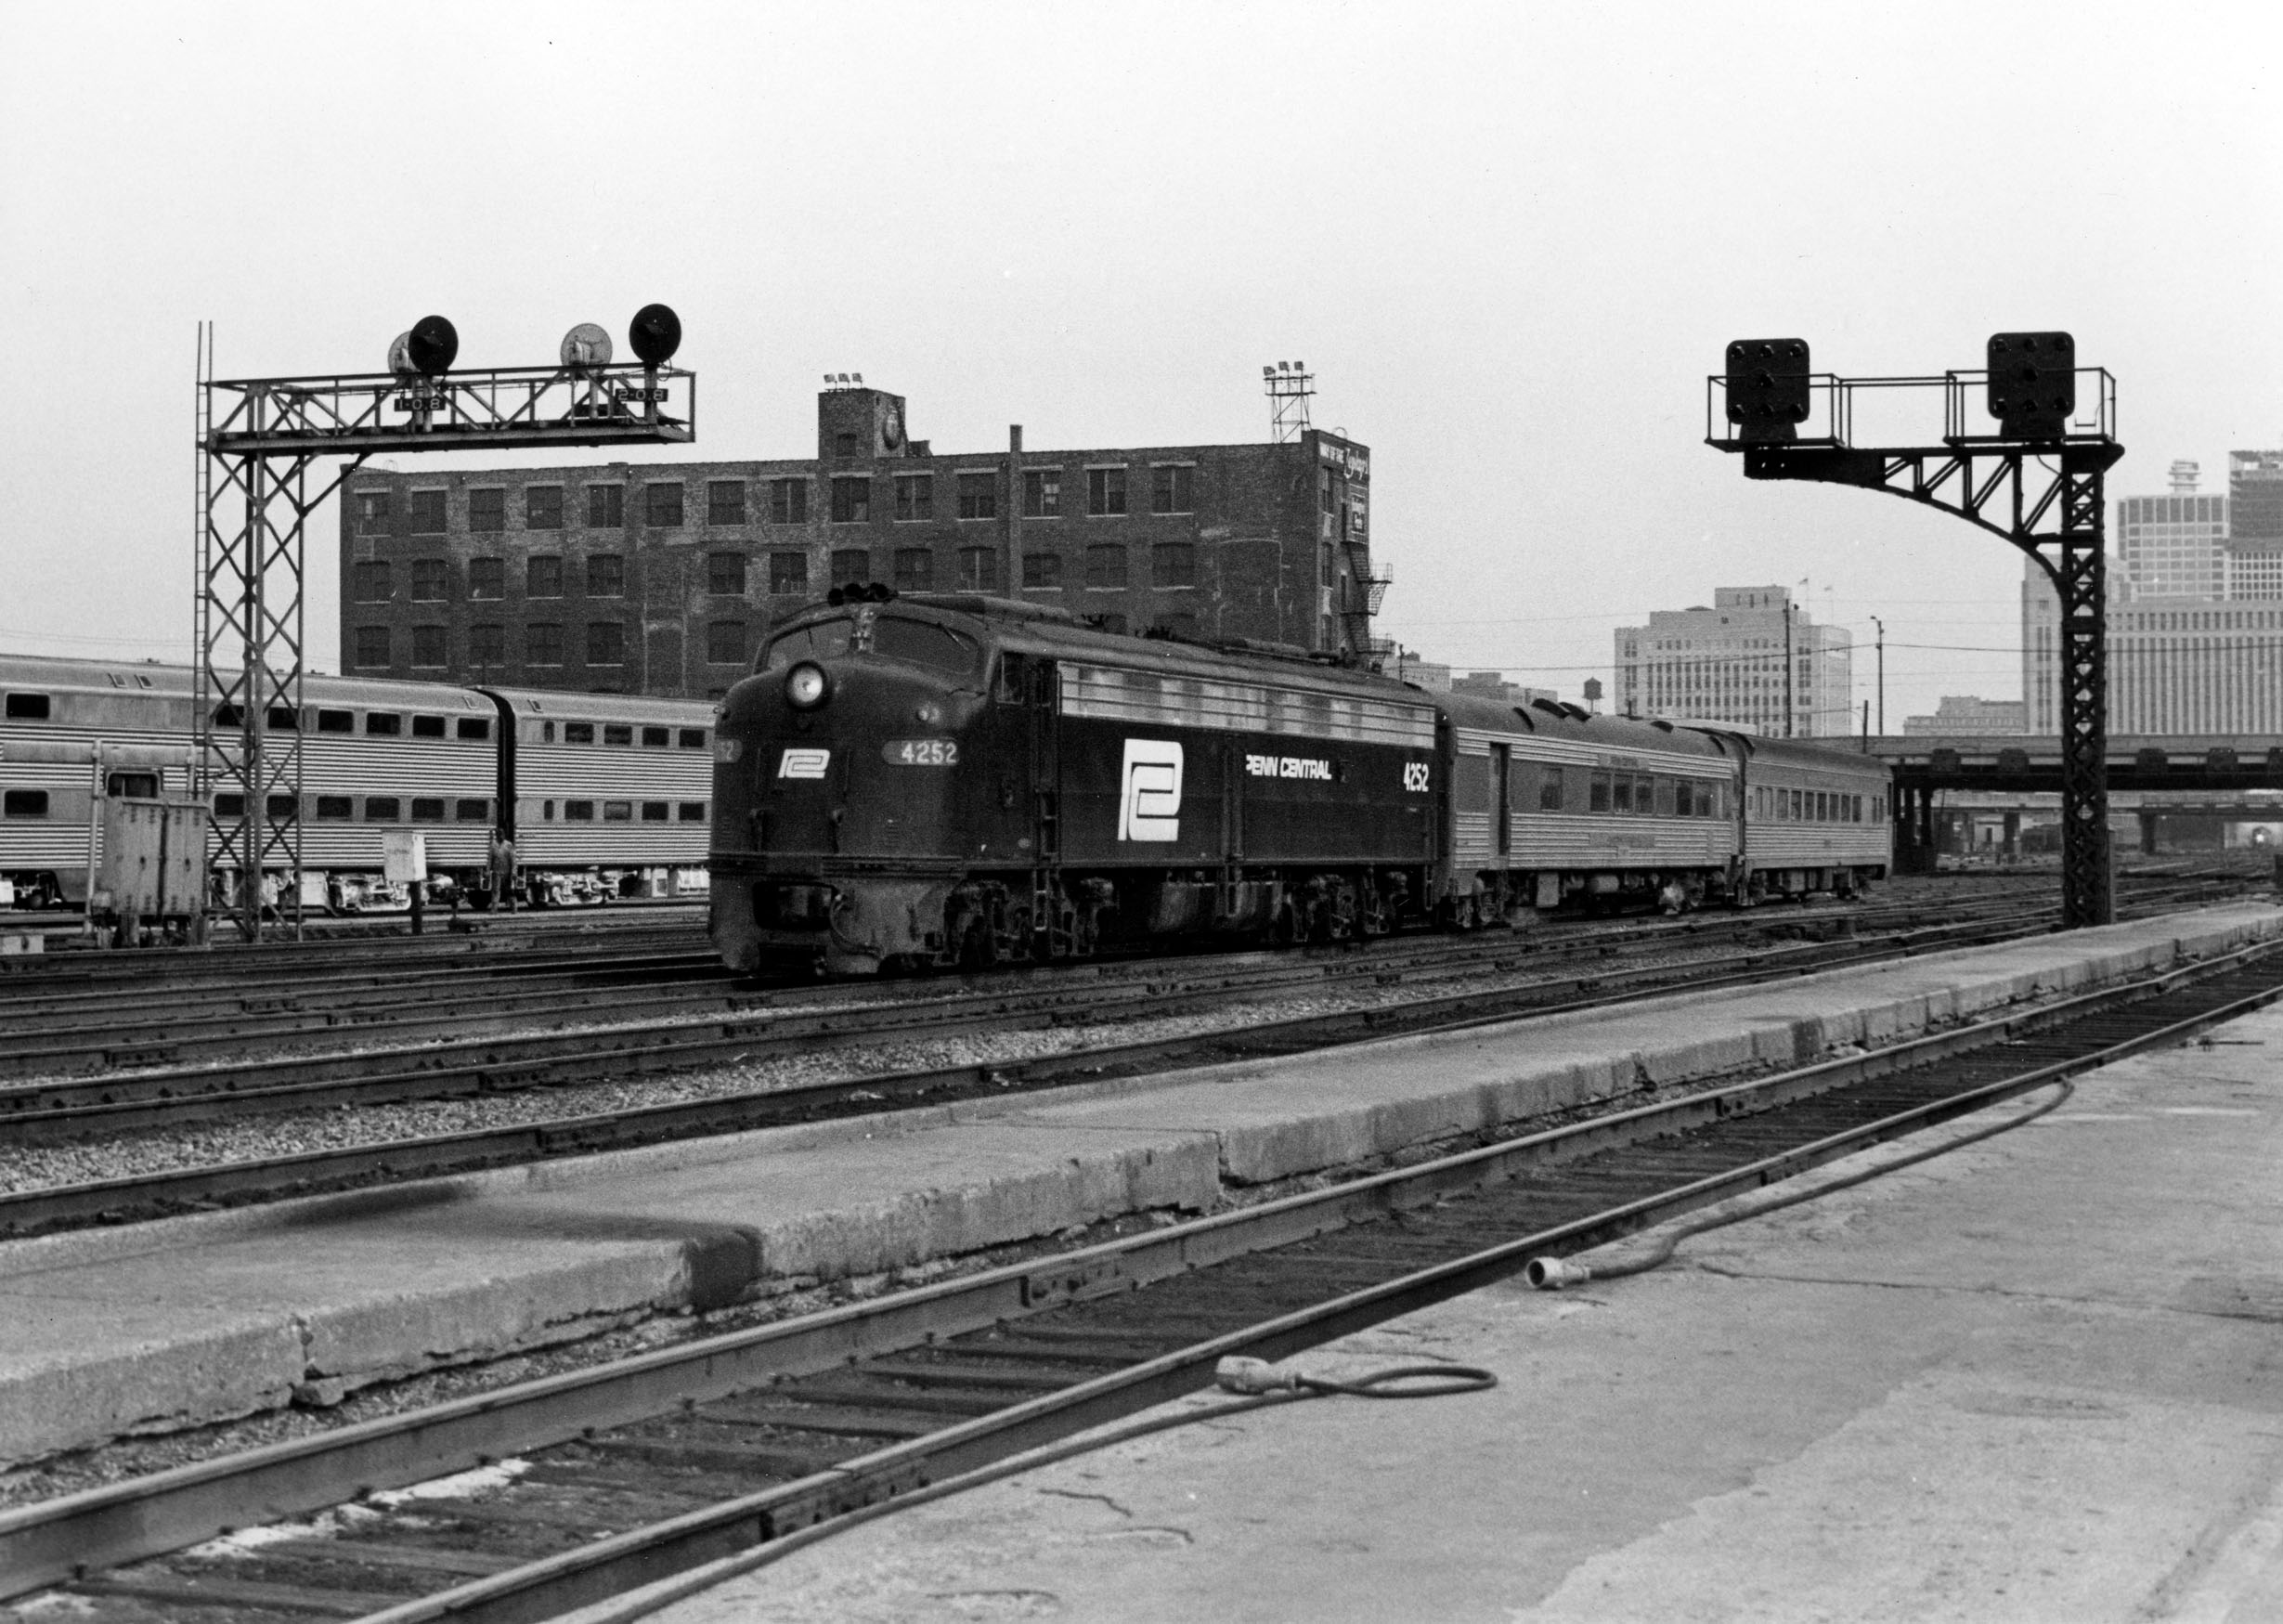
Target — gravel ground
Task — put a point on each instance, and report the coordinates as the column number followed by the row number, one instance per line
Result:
column 290, row 1133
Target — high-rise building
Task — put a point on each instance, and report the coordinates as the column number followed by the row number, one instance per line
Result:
column 662, row 578
column 2255, row 493
column 2174, row 546
column 2175, row 665
column 1727, row 663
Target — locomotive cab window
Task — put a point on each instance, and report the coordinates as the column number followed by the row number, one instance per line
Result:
column 28, row 708
column 822, row 641
column 1010, row 687
column 937, row 647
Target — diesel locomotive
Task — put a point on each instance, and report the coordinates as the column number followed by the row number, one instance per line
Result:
column 954, row 779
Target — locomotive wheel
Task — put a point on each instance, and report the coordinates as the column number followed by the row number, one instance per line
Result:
column 977, row 949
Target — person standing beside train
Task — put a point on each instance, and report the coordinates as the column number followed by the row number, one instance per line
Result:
column 503, row 870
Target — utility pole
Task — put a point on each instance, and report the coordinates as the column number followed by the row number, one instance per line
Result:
column 1791, row 710
column 1882, row 647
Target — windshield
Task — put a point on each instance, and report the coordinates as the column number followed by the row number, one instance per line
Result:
column 937, row 647
column 820, row 641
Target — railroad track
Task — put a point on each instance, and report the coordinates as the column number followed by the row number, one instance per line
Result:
column 206, row 1185
column 611, row 1477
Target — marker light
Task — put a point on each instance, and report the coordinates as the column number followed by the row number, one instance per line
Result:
column 805, row 686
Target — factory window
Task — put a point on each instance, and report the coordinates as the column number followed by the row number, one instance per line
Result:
column 617, row 812
column 472, row 727
column 427, row 727
column 431, row 580
column 1041, row 493
column 788, row 573
column 606, row 575
column 428, row 645
column 725, row 644
column 488, row 509
column 28, row 708
column 850, row 564
column 427, row 808
column 1550, row 789
column 915, row 497
column 725, row 575
column 472, row 810
column 543, row 644
column 658, row 738
column 578, row 811
column 788, row 501
column 579, row 733
column 1173, row 564
column 1328, row 566
column 382, row 724
column 373, row 512
column 487, row 578
column 336, row 806
column 662, row 505
column 979, row 569
column 1043, row 571
column 1106, row 568
column 382, row 809
column 543, row 576
column 852, row 501
column 606, row 643
column 1104, row 491
column 618, row 732
column 1324, row 498
column 336, row 722
column 978, row 496
column 373, row 646
column 368, row 583
column 606, row 507
column 844, row 443
column 657, row 812
column 690, row 812
column 24, row 803
column 690, row 738
column 423, row 511
column 914, row 569
column 725, row 501
column 486, row 646
column 1173, row 487
column 542, row 507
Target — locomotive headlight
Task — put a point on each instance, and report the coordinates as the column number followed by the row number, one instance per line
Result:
column 805, row 686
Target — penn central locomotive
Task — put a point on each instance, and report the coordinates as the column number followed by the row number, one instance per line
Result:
column 941, row 779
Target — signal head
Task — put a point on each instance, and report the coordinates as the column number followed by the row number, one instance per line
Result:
column 2032, row 384
column 1768, row 389
column 586, row 346
column 400, row 358
column 432, row 346
column 655, row 336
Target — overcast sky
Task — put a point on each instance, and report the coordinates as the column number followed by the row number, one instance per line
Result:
column 1509, row 241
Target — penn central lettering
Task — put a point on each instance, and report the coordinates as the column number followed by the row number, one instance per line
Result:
column 1286, row 767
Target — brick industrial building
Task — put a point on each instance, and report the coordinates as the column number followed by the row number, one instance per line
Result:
column 661, row 579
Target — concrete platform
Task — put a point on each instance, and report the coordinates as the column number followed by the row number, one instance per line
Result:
column 2038, row 1379
column 158, row 1326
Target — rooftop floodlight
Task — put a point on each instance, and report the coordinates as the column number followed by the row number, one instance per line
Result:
column 859, row 377
column 1268, row 372
column 432, row 346
column 655, row 336
column 1300, row 366
column 586, row 346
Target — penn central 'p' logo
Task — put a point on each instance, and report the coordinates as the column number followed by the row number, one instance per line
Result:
column 801, row 761
column 1150, row 791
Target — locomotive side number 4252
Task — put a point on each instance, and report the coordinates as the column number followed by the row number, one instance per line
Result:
column 921, row 752
column 1415, row 777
